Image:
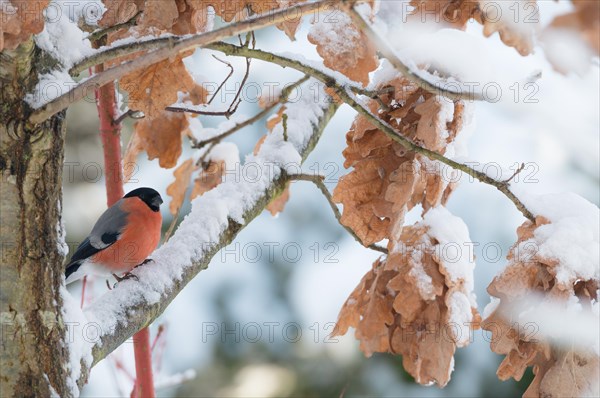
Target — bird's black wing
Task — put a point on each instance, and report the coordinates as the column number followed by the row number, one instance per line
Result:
column 86, row 250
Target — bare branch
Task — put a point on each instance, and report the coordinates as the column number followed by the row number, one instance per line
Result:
column 129, row 113
column 318, row 181
column 224, row 81
column 161, row 49
column 520, row 169
column 282, row 99
column 345, row 95
column 180, row 109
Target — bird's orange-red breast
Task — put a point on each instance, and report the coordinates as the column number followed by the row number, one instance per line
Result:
column 138, row 239
column 122, row 238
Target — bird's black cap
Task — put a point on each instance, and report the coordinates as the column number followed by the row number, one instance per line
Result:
column 148, row 196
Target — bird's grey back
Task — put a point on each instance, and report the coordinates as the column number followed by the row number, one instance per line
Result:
column 110, row 223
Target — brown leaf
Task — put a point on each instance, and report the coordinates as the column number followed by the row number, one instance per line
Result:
column 118, row 12
column 161, row 137
column 178, row 188
column 573, row 375
column 369, row 311
column 277, row 205
column 583, row 24
column 197, row 95
column 447, row 13
column 584, row 20
column 193, row 17
column 291, row 23
column 154, row 88
column 403, row 304
column 134, row 147
column 259, row 144
column 387, row 181
column 160, row 15
column 273, row 121
column 19, row 19
column 237, row 9
column 516, row 28
column 558, row 372
column 344, row 48
column 209, row 178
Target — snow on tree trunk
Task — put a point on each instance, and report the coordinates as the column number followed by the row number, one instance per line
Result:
column 33, row 353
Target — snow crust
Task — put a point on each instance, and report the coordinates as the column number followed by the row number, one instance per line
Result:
column 454, row 252
column 572, row 237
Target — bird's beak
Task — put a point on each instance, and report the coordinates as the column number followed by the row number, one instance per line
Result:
column 157, row 201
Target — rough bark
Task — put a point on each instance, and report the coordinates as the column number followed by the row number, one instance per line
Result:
column 33, row 354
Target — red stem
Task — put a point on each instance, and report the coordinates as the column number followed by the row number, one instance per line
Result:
column 110, row 134
column 144, row 384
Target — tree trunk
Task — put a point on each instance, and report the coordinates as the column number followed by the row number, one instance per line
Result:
column 33, row 353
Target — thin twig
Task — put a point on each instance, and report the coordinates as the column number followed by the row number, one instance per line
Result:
column 284, row 119
column 235, row 103
column 224, row 81
column 161, row 329
column 129, row 113
column 172, row 226
column 98, row 34
column 182, row 109
column 318, row 181
column 161, row 49
column 520, row 169
column 282, row 99
column 389, row 53
column 346, row 96
column 202, row 160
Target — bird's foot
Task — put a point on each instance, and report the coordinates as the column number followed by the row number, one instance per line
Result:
column 146, row 261
column 128, row 275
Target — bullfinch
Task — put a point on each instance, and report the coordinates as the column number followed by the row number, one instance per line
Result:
column 122, row 238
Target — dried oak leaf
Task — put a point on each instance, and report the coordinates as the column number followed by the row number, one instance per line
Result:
column 407, row 305
column 177, row 189
column 277, row 205
column 210, row 176
column 161, row 137
column 386, row 180
column 344, row 48
column 240, row 9
column 369, row 311
column 291, row 23
column 176, row 16
column 516, row 23
column 193, row 17
column 160, row 15
column 573, row 374
column 558, row 372
column 580, row 29
column 584, row 20
column 134, row 147
column 19, row 19
column 448, row 13
column 119, row 11
column 154, row 88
